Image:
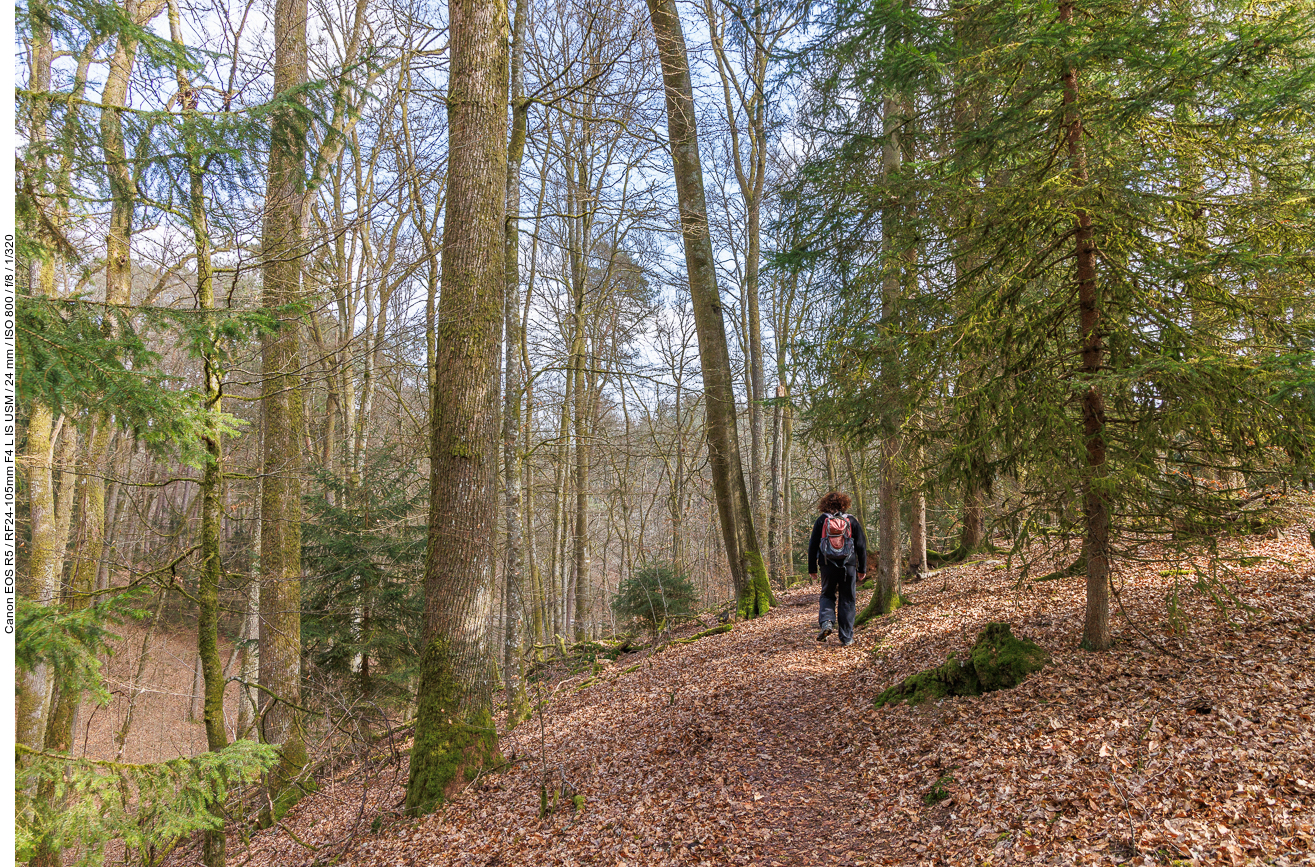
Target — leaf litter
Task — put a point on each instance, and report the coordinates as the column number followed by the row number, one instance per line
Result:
column 1190, row 742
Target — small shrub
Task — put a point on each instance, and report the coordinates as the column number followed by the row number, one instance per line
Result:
column 655, row 594
column 938, row 792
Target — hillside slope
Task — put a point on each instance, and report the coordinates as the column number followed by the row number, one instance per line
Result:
column 761, row 746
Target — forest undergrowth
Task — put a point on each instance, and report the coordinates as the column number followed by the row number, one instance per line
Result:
column 1190, row 742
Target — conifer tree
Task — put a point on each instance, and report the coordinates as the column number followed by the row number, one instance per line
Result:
column 1120, row 351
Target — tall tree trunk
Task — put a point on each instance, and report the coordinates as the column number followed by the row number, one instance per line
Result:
column 513, row 575
column 749, row 573
column 557, row 557
column 207, row 594
column 918, row 530
column 454, row 723
column 249, row 667
column 580, row 538
column 39, row 583
column 774, row 492
column 887, row 596
column 283, row 421
column 750, row 95
column 678, row 489
column 118, row 286
column 787, row 491
column 81, row 585
column 1096, row 509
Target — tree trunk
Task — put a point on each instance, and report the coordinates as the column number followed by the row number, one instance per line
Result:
column 557, row 580
column 832, row 476
column 887, row 596
column 454, row 723
column 211, row 571
column 918, row 537
column 283, row 421
column 678, row 489
column 774, row 493
column 513, row 575
column 749, row 573
column 39, row 583
column 787, row 491
column 580, row 537
column 81, row 585
column 1096, row 509
column 248, row 695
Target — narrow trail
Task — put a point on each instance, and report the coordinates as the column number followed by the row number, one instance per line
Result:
column 761, row 746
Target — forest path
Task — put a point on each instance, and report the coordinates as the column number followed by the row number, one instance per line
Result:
column 761, row 747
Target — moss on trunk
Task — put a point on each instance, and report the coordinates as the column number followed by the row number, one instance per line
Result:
column 452, row 742
column 882, row 602
column 997, row 660
column 756, row 599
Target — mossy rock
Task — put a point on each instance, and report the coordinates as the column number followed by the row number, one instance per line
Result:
column 997, row 660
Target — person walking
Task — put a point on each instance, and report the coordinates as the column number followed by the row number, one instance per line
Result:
column 839, row 549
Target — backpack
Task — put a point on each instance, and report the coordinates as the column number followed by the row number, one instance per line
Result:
column 837, row 539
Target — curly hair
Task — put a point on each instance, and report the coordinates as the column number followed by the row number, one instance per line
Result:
column 834, row 502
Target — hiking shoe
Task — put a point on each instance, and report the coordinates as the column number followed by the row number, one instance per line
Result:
column 827, row 629
column 847, row 643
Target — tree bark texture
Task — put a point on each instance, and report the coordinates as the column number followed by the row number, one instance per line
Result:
column 748, row 570
column 887, row 597
column 1096, row 508
column 513, row 571
column 774, row 510
column 39, row 583
column 282, row 417
column 454, row 724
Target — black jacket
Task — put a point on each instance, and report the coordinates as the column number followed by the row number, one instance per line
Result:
column 860, row 544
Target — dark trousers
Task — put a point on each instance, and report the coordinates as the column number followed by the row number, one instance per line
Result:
column 837, row 585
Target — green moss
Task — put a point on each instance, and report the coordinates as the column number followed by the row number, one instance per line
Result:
column 289, row 781
column 949, row 678
column 997, row 660
column 1003, row 661
column 454, row 738
column 879, row 605
column 757, row 598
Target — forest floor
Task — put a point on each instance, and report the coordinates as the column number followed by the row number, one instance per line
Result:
column 1190, row 742
column 162, row 691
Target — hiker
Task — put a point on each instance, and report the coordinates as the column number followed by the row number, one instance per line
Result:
column 840, row 549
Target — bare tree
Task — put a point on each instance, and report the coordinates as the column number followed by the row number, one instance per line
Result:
column 753, row 591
